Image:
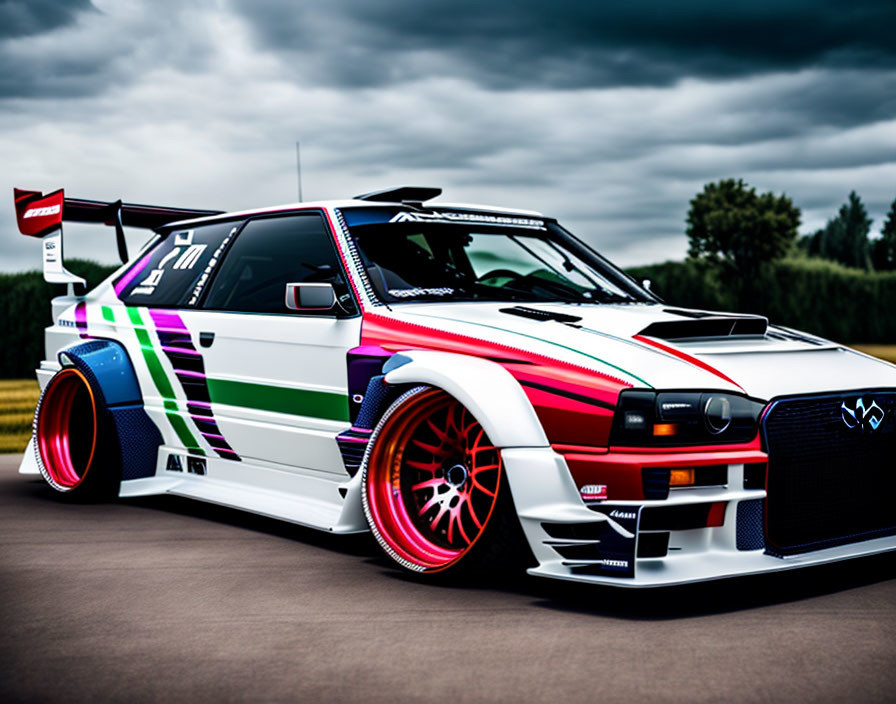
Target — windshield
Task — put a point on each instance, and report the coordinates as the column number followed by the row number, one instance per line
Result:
column 415, row 261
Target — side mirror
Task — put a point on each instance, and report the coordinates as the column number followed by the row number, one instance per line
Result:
column 310, row 297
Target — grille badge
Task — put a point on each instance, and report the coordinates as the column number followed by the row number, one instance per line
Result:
column 861, row 417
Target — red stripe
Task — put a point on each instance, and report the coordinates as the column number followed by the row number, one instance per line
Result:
column 686, row 357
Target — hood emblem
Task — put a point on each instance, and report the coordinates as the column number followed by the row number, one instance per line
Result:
column 867, row 418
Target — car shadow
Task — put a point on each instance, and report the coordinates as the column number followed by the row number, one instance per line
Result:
column 655, row 604
column 695, row 600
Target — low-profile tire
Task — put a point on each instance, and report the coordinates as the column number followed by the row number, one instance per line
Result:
column 434, row 491
column 74, row 438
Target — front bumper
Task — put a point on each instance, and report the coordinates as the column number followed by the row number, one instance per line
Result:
column 546, row 497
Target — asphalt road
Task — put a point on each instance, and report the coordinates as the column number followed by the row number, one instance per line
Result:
column 168, row 600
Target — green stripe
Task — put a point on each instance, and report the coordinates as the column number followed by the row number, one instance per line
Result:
column 277, row 399
column 108, row 314
column 160, row 379
column 183, row 432
column 550, row 342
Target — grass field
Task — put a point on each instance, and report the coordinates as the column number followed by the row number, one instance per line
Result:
column 887, row 352
column 17, row 400
column 19, row 396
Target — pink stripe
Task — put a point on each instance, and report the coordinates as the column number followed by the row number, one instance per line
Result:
column 81, row 318
column 131, row 274
column 181, row 350
column 167, row 321
column 184, row 372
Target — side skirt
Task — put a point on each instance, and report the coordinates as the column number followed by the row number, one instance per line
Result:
column 324, row 503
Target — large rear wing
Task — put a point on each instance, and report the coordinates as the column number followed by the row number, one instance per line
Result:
column 40, row 215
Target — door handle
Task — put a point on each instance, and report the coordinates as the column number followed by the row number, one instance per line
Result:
column 206, row 339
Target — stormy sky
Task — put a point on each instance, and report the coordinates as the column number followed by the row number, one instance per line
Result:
column 607, row 115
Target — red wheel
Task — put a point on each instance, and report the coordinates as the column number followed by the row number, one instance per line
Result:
column 66, row 430
column 431, row 481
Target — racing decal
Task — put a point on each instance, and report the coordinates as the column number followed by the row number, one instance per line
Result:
column 279, row 399
column 213, row 262
column 184, row 255
column 81, row 319
column 162, row 384
column 38, row 215
column 686, row 357
column 189, row 369
column 574, row 404
column 131, row 274
column 466, row 217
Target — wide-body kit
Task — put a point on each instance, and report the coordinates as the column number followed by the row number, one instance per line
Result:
column 417, row 370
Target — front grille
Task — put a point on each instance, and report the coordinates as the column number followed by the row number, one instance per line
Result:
column 829, row 484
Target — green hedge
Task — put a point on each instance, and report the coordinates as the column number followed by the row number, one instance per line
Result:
column 25, row 312
column 821, row 297
column 815, row 295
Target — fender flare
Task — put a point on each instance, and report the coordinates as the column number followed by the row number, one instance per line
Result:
column 487, row 390
column 108, row 369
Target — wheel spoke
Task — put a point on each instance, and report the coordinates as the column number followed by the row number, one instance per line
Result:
column 483, row 468
column 428, row 484
column 435, row 521
column 429, row 504
column 438, row 451
column 473, row 515
column 477, row 485
column 430, row 467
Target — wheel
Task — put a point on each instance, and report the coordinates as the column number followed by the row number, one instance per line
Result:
column 73, row 437
column 433, row 487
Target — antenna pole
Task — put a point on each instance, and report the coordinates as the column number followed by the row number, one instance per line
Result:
column 299, row 168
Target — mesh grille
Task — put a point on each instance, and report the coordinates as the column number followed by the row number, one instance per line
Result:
column 829, row 484
column 750, row 531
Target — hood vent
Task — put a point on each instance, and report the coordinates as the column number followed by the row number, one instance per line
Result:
column 538, row 314
column 709, row 326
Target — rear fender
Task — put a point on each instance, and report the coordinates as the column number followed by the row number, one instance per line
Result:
column 108, row 368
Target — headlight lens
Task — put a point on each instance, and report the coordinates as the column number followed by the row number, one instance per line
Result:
column 669, row 418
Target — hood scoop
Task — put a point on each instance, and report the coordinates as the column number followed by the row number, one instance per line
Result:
column 708, row 326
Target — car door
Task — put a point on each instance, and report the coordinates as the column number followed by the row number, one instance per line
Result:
column 277, row 378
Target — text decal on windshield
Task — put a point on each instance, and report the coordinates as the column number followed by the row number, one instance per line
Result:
column 482, row 218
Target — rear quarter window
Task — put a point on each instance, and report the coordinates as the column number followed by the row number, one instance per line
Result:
column 177, row 269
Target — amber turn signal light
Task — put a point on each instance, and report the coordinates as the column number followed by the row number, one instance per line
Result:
column 681, row 477
column 665, row 429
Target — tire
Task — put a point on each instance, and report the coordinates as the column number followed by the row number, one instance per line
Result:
column 75, row 440
column 434, row 491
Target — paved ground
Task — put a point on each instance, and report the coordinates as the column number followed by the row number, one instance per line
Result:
column 168, row 600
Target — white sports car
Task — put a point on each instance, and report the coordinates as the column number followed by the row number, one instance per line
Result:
column 474, row 385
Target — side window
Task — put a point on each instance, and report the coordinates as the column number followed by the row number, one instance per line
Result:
column 270, row 253
column 177, row 268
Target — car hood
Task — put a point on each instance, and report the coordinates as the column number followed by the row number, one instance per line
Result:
column 640, row 344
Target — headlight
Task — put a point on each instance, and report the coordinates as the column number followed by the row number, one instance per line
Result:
column 645, row 418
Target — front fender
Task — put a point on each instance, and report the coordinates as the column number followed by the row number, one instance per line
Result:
column 487, row 390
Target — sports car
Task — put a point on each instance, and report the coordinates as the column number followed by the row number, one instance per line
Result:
column 474, row 385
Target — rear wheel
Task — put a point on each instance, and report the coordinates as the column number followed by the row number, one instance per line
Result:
column 72, row 437
column 433, row 486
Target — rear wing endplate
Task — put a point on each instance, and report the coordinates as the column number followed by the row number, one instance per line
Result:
column 40, row 215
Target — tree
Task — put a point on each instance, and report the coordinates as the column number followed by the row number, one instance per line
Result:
column 729, row 223
column 885, row 248
column 845, row 237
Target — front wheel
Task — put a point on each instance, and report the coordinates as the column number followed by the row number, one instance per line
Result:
column 433, row 487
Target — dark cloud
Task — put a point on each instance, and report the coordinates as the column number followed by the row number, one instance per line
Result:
column 20, row 18
column 572, row 44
